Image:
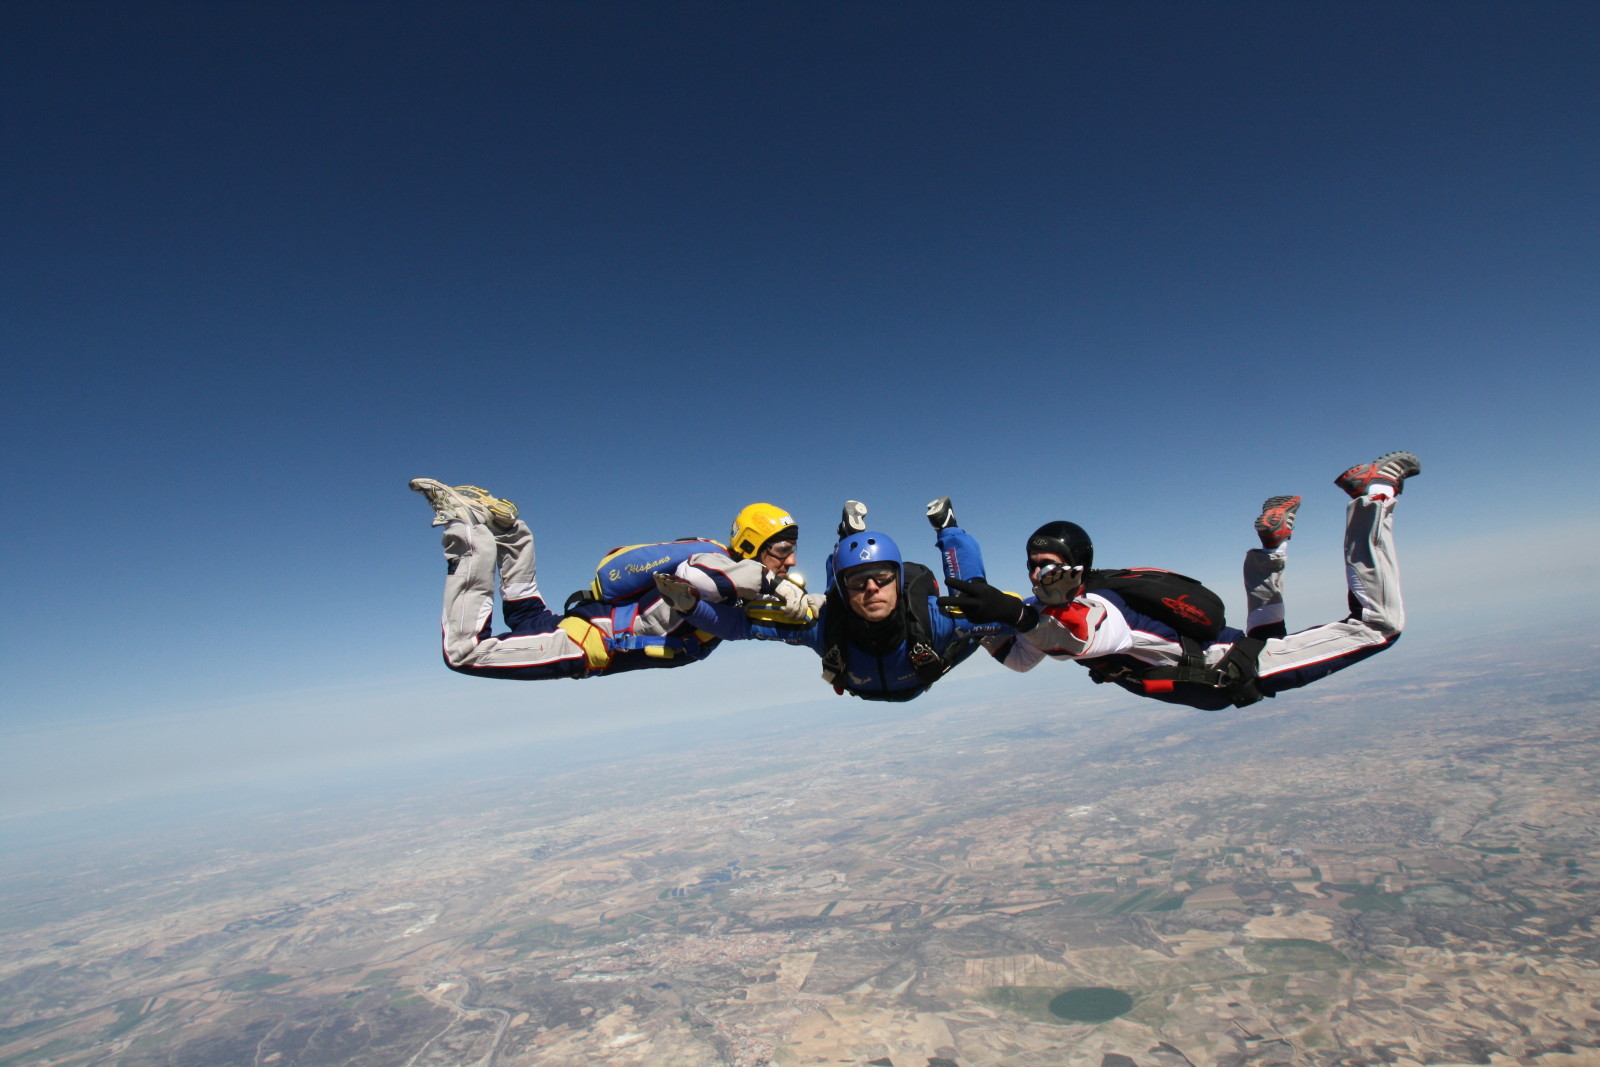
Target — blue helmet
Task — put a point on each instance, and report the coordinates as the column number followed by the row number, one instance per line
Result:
column 868, row 546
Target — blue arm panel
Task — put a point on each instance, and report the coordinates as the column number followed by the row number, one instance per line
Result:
column 729, row 622
column 959, row 554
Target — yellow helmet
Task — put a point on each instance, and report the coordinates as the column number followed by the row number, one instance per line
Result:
column 756, row 525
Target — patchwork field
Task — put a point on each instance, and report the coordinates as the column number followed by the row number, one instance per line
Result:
column 1379, row 873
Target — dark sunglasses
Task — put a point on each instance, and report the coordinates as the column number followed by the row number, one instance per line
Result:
column 884, row 577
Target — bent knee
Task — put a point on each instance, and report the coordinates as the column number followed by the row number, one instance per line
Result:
column 461, row 653
column 1386, row 623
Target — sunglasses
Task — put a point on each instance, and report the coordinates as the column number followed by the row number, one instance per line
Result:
column 779, row 549
column 883, row 577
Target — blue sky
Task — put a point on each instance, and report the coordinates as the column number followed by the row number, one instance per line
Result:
column 635, row 265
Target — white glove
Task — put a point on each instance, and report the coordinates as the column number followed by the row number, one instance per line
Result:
column 677, row 592
column 1057, row 584
column 786, row 604
column 796, row 605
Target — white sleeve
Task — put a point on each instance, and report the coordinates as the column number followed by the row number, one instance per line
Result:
column 1083, row 629
column 720, row 578
column 1014, row 652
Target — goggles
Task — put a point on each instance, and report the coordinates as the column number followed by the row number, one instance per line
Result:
column 857, row 581
column 779, row 549
column 1042, row 569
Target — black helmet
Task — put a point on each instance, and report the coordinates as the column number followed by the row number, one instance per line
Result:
column 1067, row 540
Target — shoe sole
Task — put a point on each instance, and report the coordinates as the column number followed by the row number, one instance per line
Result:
column 430, row 488
column 1277, row 516
column 1357, row 479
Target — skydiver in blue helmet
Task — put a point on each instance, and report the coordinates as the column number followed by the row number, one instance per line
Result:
column 879, row 629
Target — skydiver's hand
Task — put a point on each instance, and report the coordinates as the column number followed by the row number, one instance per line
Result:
column 1056, row 584
column 940, row 513
column 981, row 602
column 677, row 592
column 786, row 604
column 796, row 606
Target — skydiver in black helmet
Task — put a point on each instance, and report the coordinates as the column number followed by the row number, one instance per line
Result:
column 1163, row 651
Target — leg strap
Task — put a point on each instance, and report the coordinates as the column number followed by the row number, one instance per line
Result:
column 590, row 638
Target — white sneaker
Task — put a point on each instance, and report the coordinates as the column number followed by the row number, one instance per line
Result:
column 853, row 519
column 467, row 503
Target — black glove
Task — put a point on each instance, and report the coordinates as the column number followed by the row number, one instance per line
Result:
column 982, row 602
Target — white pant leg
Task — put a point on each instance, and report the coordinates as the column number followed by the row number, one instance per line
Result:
column 1371, row 567
column 469, row 602
column 1373, row 574
column 468, row 587
column 1317, row 647
column 1263, row 587
column 519, row 569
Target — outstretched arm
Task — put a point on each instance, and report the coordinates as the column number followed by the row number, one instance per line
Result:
column 717, row 577
column 720, row 579
column 980, row 602
column 1016, row 653
column 1082, row 628
column 729, row 621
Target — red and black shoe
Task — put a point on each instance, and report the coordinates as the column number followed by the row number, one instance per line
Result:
column 1276, row 524
column 1391, row 470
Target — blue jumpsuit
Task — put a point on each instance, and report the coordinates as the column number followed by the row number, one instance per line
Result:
column 878, row 664
column 589, row 641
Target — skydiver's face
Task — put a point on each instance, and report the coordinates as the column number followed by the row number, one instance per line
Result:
column 1041, row 564
column 872, row 591
column 777, row 557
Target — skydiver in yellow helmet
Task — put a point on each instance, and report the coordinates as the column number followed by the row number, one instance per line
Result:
column 622, row 623
column 765, row 532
